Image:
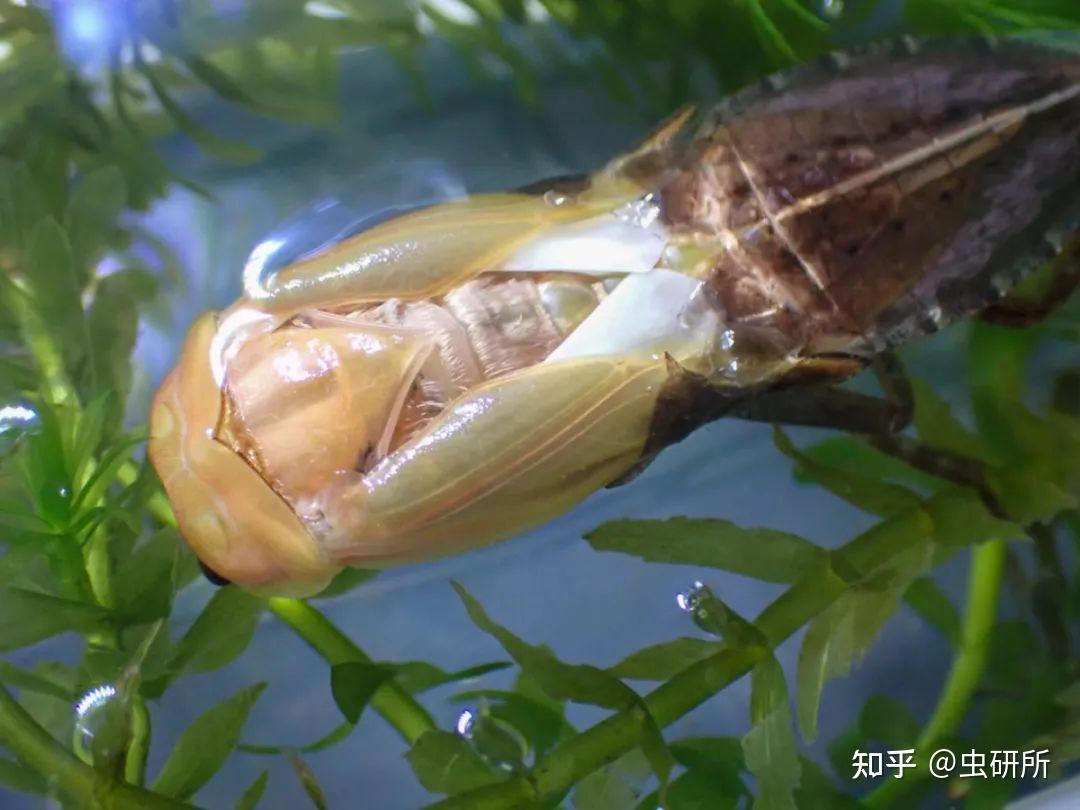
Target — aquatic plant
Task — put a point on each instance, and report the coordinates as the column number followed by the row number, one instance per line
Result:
column 90, row 547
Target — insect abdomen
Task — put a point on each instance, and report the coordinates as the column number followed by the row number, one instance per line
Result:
column 859, row 207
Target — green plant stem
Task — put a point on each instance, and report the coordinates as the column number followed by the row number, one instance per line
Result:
column 399, row 708
column 139, row 748
column 157, row 504
column 97, row 565
column 980, row 615
column 28, row 741
column 561, row 768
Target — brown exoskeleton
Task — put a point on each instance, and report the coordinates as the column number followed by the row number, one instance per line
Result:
column 460, row 373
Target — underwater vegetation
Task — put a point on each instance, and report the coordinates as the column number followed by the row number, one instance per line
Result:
column 90, row 541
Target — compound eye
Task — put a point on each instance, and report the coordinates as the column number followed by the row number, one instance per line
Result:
column 212, row 575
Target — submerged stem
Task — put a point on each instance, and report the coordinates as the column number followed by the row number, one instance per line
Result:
column 139, row 748
column 561, row 768
column 28, row 741
column 397, row 706
column 980, row 614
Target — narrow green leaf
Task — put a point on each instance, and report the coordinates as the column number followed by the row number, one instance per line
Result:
column 855, row 456
column 345, row 581
column 18, row 778
column 27, row 617
column 615, row 787
column 696, row 790
column 144, row 580
column 94, row 205
column 826, row 652
column 816, row 790
column 445, row 763
column 211, row 143
column 11, row 675
column 113, row 323
column 1069, row 696
column 934, row 607
column 961, row 518
column 662, row 661
column 205, row 745
column 889, row 722
column 765, row 554
column 655, row 749
column 862, row 491
column 331, row 738
column 50, row 711
column 769, row 747
column 354, row 683
column 709, row 752
column 997, row 361
column 21, row 205
column 52, row 277
column 581, row 683
column 841, row 750
column 937, row 426
column 251, row 797
column 221, row 632
column 218, row 80
column 420, row 676
column 1028, row 497
column 308, row 781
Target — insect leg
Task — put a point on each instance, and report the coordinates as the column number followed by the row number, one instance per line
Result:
column 689, row 401
column 835, row 408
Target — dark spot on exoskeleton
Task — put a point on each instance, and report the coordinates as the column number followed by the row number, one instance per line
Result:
column 853, row 249
column 841, row 140
column 816, row 178
column 898, row 225
column 954, row 112
column 792, row 157
column 741, row 190
column 898, row 129
column 946, row 196
column 212, row 575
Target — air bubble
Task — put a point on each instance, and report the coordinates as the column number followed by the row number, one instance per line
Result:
column 496, row 742
column 727, row 340
column 688, row 601
column 102, row 728
column 832, row 8
column 708, row 612
column 464, row 723
column 552, row 197
column 16, row 420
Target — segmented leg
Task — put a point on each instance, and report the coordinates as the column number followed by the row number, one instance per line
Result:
column 832, row 407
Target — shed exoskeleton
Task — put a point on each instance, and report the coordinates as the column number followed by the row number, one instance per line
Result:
column 463, row 372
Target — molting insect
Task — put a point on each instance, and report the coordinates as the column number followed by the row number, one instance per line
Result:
column 463, row 372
